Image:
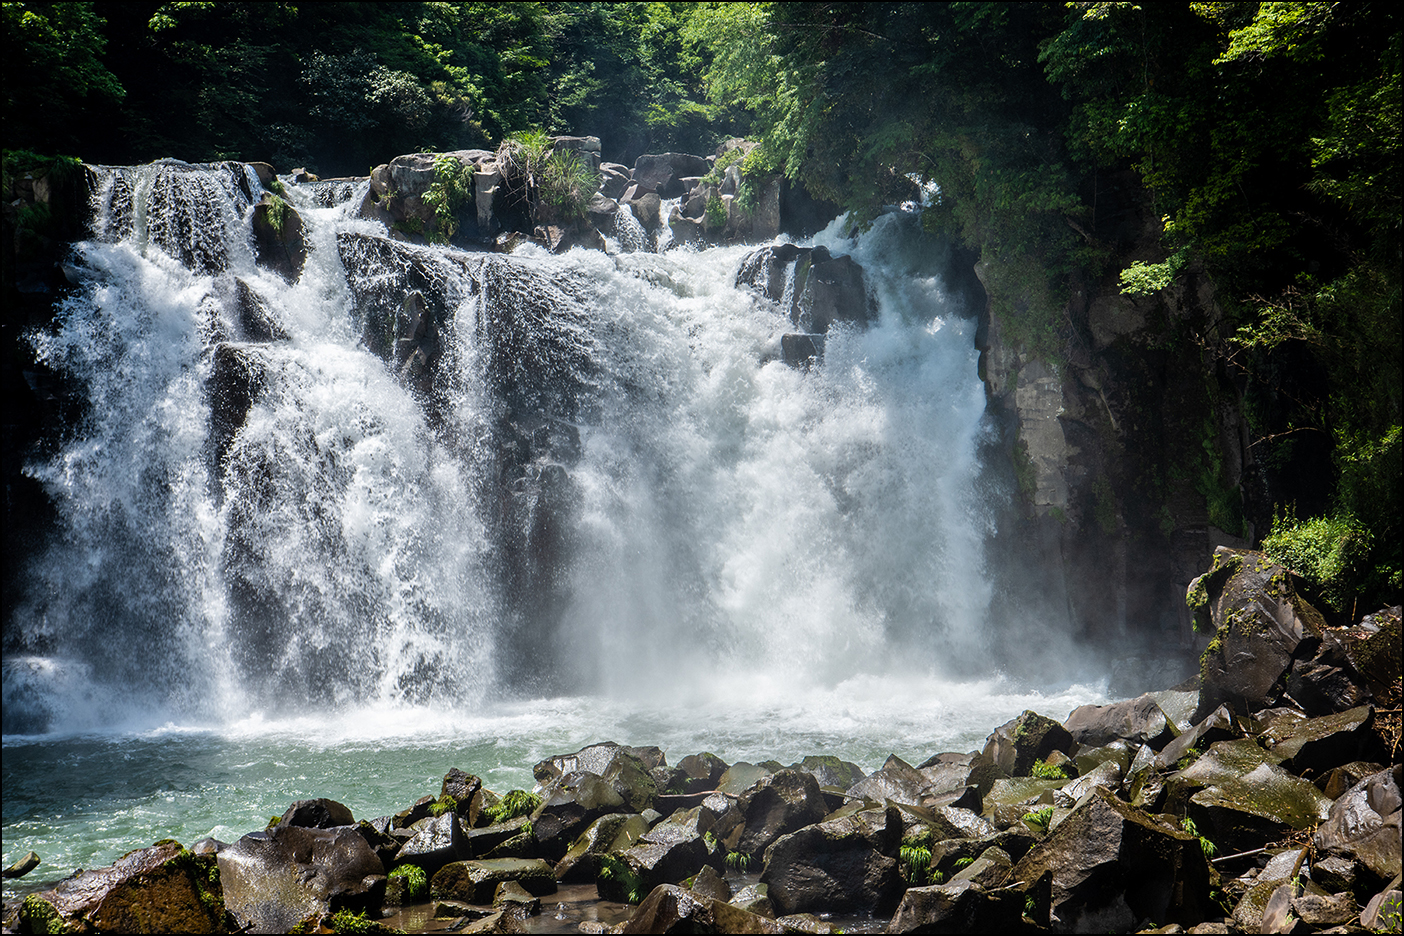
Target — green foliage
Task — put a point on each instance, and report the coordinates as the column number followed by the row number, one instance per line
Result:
column 451, row 188
column 1144, row 279
column 567, row 183
column 716, row 213
column 277, row 213
column 1046, row 771
column 40, row 916
column 710, row 841
column 416, row 883
column 356, row 924
column 514, row 804
column 962, row 863
column 1329, row 552
column 1038, row 819
column 738, row 861
column 1208, row 847
column 915, row 863
column 617, row 870
column 444, row 804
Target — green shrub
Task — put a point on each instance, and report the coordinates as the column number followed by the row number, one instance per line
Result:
column 416, row 882
column 716, row 213
column 616, row 869
column 1039, row 819
column 514, row 804
column 451, row 188
column 442, row 805
column 1046, row 771
column 1332, row 553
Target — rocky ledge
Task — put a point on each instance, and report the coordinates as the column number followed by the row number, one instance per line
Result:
column 1263, row 796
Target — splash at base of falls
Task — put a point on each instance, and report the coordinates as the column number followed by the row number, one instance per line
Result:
column 435, row 478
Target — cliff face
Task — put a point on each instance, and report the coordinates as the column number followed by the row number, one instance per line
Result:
column 1129, row 445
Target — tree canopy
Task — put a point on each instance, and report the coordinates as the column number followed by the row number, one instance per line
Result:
column 1265, row 134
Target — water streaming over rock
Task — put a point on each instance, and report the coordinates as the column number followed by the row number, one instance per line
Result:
column 422, row 476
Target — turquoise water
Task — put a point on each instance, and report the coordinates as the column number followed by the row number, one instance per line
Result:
column 84, row 800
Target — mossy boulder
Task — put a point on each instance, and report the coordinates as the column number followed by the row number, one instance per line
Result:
column 161, row 889
column 1265, row 804
column 607, row 834
column 1258, row 617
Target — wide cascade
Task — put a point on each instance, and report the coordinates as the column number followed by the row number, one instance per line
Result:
column 419, row 476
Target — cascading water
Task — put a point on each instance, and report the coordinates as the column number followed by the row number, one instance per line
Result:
column 417, row 489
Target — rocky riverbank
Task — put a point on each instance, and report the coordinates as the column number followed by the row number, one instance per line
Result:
column 1263, row 796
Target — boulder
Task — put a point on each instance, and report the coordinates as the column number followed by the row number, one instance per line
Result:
column 1017, row 745
column 608, row 834
column 317, row 814
column 161, row 889
column 1217, row 726
column 1382, row 911
column 740, row 777
column 465, row 789
column 585, row 148
column 1139, row 720
column 483, row 841
column 672, row 909
column 675, row 849
column 896, row 781
column 437, row 841
column 989, row 871
column 1258, row 619
column 822, row 289
column 236, row 379
column 278, row 237
column 1364, row 824
column 275, row 879
column 663, row 172
column 254, row 318
column 845, row 865
column 1113, row 866
column 958, row 907
column 709, row 883
column 802, row 351
column 703, row 771
column 569, row 805
column 23, row 866
column 1315, row 745
column 782, row 802
column 477, row 880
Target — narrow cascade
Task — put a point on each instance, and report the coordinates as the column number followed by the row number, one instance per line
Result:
column 418, row 476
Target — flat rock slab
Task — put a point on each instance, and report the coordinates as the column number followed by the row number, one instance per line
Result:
column 477, row 881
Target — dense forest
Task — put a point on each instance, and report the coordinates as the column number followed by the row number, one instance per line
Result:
column 1265, row 135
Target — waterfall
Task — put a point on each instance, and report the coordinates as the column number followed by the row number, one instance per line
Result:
column 418, row 476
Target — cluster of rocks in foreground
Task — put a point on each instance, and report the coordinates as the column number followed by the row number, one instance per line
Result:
column 1240, row 804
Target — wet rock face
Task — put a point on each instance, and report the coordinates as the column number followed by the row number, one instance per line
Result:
column 273, row 880
column 161, row 889
column 780, row 803
column 1364, row 824
column 815, row 288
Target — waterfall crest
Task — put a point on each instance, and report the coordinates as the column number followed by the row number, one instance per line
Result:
column 422, row 476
